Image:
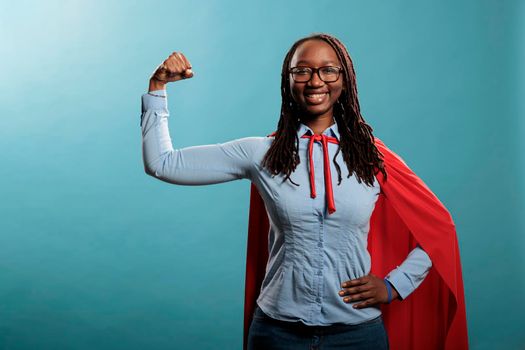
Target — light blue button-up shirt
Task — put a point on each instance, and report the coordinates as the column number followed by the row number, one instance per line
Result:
column 310, row 252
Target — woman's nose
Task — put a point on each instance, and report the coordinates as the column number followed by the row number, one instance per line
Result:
column 315, row 80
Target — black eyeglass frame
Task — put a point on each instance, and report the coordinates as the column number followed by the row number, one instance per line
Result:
column 315, row 70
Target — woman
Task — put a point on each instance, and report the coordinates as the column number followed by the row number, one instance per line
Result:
column 317, row 290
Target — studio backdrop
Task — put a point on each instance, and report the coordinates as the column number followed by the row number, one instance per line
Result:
column 96, row 254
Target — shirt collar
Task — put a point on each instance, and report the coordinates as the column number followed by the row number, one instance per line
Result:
column 332, row 130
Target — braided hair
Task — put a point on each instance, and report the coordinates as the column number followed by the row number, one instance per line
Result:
column 356, row 140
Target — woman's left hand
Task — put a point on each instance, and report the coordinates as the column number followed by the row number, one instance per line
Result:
column 369, row 289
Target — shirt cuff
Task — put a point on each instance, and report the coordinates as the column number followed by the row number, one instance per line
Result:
column 159, row 92
column 400, row 282
column 150, row 102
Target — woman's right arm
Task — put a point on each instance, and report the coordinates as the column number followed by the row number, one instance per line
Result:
column 196, row 165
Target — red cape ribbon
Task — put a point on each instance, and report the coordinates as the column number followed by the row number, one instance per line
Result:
column 326, row 161
column 406, row 213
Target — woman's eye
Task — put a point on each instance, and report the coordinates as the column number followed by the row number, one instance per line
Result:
column 302, row 71
column 330, row 70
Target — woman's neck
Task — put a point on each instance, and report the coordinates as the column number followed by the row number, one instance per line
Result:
column 319, row 124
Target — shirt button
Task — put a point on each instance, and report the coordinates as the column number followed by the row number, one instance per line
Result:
column 320, row 272
column 318, row 299
column 319, row 244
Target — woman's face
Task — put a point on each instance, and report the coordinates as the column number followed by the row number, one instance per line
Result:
column 315, row 97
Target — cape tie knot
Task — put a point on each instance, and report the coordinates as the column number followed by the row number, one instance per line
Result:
column 326, row 163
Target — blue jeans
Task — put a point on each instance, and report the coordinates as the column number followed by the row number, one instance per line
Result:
column 266, row 333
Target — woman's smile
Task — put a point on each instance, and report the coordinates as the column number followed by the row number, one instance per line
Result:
column 316, row 98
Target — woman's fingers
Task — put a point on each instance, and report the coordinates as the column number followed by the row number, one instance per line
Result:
column 356, row 285
column 188, row 73
column 188, row 64
column 356, row 282
column 360, row 296
column 366, row 303
column 369, row 290
column 356, row 290
column 175, row 67
column 181, row 66
column 366, row 299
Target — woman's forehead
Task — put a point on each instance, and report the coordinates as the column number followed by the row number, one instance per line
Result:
column 314, row 52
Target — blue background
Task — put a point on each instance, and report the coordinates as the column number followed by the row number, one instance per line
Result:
column 95, row 254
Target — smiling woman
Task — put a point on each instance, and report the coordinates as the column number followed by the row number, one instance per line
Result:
column 313, row 287
column 316, row 85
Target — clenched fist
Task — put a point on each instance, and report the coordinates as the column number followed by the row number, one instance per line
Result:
column 175, row 67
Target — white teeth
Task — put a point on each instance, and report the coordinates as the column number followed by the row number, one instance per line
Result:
column 319, row 97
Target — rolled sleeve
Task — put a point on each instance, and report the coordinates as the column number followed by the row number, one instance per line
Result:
column 400, row 281
column 155, row 103
column 411, row 273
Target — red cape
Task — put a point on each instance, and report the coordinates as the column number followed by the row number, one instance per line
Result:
column 406, row 213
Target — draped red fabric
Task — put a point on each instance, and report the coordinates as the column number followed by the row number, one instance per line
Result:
column 406, row 213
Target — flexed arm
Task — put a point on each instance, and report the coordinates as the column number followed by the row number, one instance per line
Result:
column 195, row 165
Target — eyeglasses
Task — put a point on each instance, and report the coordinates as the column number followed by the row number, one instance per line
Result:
column 328, row 74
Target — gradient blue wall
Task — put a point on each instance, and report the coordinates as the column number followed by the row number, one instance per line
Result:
column 95, row 254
